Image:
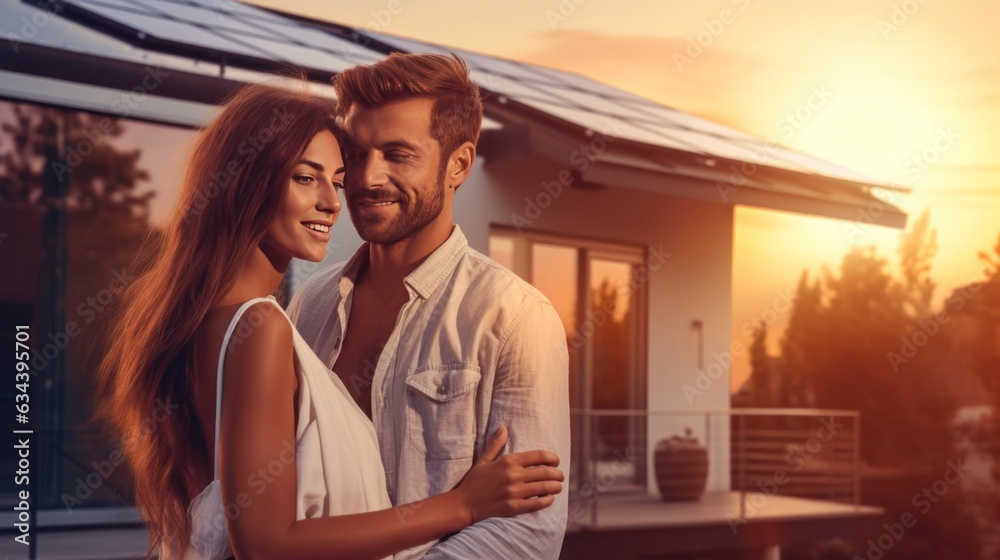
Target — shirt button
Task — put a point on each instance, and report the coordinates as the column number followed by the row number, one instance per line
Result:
column 442, row 390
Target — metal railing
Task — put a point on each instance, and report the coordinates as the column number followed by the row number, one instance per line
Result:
column 806, row 453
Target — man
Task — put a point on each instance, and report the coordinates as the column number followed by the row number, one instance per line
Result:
column 437, row 343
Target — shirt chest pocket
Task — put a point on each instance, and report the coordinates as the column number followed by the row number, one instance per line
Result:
column 440, row 409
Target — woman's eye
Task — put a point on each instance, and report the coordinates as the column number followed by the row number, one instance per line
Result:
column 304, row 179
column 338, row 186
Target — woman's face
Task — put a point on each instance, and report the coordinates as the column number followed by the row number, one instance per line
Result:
column 302, row 227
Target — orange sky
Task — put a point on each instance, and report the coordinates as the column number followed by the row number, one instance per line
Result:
column 910, row 94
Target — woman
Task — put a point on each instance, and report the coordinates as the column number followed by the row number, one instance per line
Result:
column 200, row 329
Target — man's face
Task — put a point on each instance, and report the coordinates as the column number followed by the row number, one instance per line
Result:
column 394, row 183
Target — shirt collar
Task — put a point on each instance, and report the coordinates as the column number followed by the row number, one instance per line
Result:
column 438, row 265
column 426, row 277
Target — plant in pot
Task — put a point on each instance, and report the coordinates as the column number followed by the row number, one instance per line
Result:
column 681, row 465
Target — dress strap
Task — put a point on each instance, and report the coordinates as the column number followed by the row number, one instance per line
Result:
column 218, row 384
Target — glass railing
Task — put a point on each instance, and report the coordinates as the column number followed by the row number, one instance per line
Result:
column 750, row 455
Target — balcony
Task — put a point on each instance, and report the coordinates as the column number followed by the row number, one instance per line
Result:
column 774, row 478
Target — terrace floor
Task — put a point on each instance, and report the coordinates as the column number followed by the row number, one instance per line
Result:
column 640, row 525
column 621, row 526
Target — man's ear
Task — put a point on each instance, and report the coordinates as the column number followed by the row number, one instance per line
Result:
column 460, row 165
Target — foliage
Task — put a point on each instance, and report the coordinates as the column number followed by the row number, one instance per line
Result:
column 861, row 339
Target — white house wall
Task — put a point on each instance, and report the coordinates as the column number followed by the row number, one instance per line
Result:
column 693, row 284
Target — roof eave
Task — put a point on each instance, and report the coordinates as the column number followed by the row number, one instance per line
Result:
column 626, row 166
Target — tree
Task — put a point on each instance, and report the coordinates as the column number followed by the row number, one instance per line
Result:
column 984, row 350
column 845, row 344
column 802, row 345
column 761, row 376
column 916, row 251
column 101, row 180
column 860, row 339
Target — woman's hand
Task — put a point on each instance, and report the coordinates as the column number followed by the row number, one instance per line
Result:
column 509, row 485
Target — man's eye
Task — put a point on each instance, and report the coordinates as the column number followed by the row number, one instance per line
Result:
column 395, row 156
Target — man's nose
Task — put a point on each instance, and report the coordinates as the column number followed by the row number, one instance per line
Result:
column 373, row 172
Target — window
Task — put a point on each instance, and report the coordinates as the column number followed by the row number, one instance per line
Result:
column 117, row 183
column 592, row 286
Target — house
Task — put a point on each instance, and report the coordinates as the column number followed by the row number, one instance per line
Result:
column 618, row 208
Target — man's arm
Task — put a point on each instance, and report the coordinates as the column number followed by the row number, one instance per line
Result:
column 530, row 396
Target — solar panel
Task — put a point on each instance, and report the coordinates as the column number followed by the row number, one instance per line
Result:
column 561, row 78
column 606, row 125
column 227, row 8
column 598, row 103
column 201, row 17
column 592, row 104
column 146, row 23
column 119, row 4
column 230, row 27
column 504, row 86
column 681, row 119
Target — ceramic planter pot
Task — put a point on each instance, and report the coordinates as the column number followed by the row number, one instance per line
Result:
column 681, row 466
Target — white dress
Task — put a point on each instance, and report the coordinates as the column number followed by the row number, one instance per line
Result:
column 337, row 459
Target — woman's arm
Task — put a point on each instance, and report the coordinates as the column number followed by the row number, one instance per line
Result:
column 258, row 435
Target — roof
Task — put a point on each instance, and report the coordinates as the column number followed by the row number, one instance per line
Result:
column 656, row 147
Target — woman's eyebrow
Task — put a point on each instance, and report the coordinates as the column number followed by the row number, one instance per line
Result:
column 317, row 166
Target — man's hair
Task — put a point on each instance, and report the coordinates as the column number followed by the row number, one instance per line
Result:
column 457, row 112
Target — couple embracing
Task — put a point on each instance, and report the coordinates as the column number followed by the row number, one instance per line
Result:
column 413, row 401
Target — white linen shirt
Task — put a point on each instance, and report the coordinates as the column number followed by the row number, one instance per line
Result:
column 473, row 347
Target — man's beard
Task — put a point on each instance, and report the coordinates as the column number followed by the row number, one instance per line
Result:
column 394, row 230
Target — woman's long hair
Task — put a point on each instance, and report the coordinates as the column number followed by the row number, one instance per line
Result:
column 234, row 186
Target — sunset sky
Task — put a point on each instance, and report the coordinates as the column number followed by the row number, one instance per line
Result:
column 906, row 91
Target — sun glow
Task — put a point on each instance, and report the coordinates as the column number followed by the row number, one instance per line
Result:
column 879, row 134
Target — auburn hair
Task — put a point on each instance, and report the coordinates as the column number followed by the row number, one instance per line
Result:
column 235, row 184
column 457, row 112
